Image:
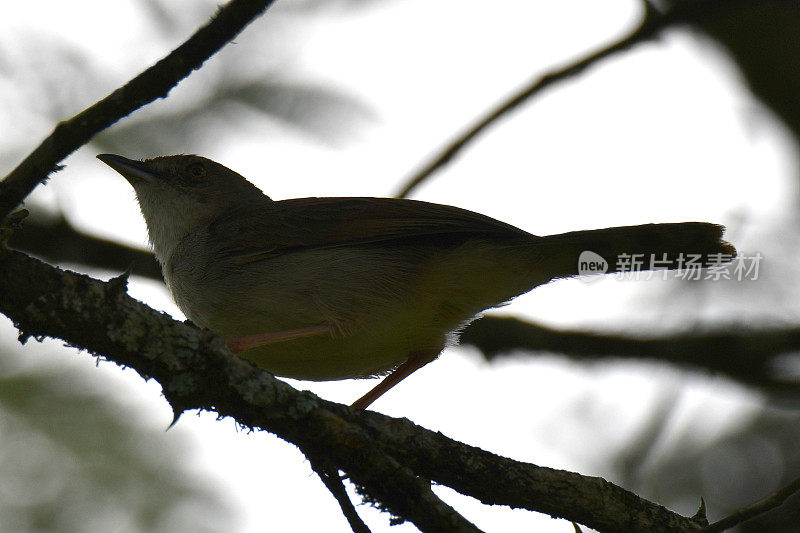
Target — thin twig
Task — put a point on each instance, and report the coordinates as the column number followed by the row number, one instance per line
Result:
column 155, row 82
column 652, row 23
column 333, row 482
column 760, row 507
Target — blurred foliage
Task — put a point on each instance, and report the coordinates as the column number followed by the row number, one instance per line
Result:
column 249, row 85
column 763, row 39
column 73, row 459
column 740, row 466
column 321, row 112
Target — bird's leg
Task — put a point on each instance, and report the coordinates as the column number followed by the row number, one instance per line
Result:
column 239, row 344
column 411, row 365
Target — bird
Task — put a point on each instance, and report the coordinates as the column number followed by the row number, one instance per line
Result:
column 356, row 287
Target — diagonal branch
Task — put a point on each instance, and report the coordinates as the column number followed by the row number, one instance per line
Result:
column 155, row 82
column 651, row 25
column 388, row 458
column 333, row 482
column 760, row 507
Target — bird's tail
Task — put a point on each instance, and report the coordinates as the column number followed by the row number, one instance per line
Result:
column 682, row 245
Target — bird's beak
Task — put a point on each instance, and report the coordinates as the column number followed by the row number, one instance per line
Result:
column 131, row 170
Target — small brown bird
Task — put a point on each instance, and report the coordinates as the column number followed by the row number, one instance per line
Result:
column 337, row 288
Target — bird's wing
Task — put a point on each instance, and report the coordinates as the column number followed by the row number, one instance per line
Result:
column 260, row 232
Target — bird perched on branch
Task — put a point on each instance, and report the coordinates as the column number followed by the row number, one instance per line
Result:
column 336, row 288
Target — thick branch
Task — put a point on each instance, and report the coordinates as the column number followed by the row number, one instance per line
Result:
column 386, row 457
column 155, row 82
column 197, row 371
column 496, row 480
column 745, row 355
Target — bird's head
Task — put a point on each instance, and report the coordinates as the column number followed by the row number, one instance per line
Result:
column 179, row 193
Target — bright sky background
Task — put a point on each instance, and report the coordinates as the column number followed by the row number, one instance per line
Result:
column 660, row 133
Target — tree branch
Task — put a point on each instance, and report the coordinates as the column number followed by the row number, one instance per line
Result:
column 197, row 371
column 745, row 355
column 380, row 477
column 55, row 239
column 651, row 24
column 760, row 507
column 155, row 82
column 333, row 482
column 388, row 458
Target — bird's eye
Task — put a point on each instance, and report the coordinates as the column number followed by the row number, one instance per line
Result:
column 196, row 170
